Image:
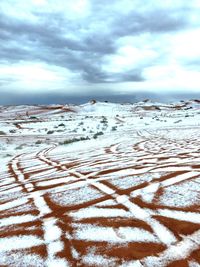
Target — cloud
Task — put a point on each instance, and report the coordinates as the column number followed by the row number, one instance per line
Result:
column 89, row 43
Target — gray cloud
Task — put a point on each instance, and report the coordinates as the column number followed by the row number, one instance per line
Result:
column 45, row 40
column 81, row 45
column 157, row 21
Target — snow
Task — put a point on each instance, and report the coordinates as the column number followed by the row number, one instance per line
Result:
column 189, row 194
column 52, row 232
column 98, row 212
column 20, row 242
column 180, row 215
column 122, row 235
column 17, row 259
column 102, row 172
column 179, row 251
column 92, row 259
column 12, row 220
column 57, row 263
column 193, row 264
column 12, row 204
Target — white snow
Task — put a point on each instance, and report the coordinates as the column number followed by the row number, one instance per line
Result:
column 19, row 242
column 179, row 251
column 108, row 234
column 13, row 220
column 145, row 152
column 12, row 204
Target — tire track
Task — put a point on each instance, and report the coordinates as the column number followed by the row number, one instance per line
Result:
column 70, row 231
column 51, row 231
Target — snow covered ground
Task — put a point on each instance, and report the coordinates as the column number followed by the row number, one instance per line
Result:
column 100, row 184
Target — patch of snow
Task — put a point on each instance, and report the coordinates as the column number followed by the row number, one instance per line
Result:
column 19, row 242
column 108, row 234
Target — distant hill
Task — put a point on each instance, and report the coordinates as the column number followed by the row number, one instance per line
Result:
column 31, row 99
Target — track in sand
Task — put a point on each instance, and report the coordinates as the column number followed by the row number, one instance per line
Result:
column 132, row 201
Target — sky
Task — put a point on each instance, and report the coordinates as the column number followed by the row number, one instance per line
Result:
column 97, row 48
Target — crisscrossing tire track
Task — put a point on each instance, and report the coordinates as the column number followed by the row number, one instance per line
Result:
column 115, row 213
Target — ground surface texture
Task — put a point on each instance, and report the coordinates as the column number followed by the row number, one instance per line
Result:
column 100, row 185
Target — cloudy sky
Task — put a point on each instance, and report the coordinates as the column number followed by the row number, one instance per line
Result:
column 98, row 47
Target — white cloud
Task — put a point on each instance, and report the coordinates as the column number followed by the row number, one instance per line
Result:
column 186, row 45
column 84, row 45
column 133, row 53
column 34, row 77
column 173, row 77
column 19, row 10
column 39, row 2
column 76, row 9
column 26, row 10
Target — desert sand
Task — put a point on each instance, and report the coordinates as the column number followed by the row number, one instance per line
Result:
column 100, row 184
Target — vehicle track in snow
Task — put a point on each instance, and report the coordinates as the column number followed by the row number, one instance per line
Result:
column 123, row 204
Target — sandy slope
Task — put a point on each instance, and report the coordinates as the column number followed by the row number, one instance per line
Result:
column 126, row 196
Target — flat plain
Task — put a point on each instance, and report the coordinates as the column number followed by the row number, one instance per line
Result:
column 100, row 184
